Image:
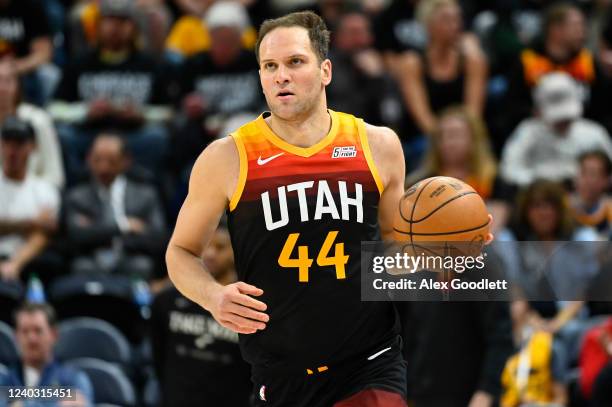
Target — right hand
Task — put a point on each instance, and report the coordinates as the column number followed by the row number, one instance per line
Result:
column 234, row 308
column 194, row 105
column 136, row 225
column 99, row 108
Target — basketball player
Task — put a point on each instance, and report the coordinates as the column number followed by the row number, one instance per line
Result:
column 303, row 186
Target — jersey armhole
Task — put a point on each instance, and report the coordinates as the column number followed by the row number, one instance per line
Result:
column 365, row 146
column 244, row 165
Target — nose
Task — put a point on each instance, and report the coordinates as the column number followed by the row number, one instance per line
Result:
column 281, row 76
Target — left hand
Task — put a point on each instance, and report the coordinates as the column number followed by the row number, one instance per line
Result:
column 481, row 399
column 130, row 112
column 10, row 270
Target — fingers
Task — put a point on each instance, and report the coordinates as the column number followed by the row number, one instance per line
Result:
column 248, row 313
column 242, row 322
column 249, row 289
column 243, row 297
column 239, row 330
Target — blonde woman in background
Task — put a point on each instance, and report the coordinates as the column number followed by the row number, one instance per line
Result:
column 452, row 69
column 459, row 147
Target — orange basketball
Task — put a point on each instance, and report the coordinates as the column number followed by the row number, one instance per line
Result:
column 441, row 209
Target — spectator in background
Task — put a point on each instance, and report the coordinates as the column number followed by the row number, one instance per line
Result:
column 153, row 20
column 591, row 204
column 562, row 49
column 28, row 205
column 36, row 334
column 548, row 145
column 189, row 345
column 191, row 35
column 551, row 279
column 113, row 87
column 455, row 351
column 25, row 37
column 45, row 161
column 115, row 224
column 450, row 70
column 397, row 30
column 356, row 62
column 460, row 148
column 216, row 84
column 595, row 354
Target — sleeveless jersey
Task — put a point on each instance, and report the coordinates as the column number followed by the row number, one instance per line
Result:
column 297, row 219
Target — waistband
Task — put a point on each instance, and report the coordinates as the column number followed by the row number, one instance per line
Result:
column 392, row 345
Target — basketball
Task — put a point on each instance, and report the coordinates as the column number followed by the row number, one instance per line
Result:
column 442, row 209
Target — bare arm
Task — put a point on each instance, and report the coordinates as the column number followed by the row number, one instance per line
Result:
column 412, row 86
column 476, row 80
column 389, row 159
column 212, row 183
column 40, row 53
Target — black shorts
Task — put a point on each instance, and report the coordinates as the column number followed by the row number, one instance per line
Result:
column 385, row 371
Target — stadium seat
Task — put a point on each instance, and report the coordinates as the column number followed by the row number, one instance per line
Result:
column 11, row 295
column 110, row 298
column 91, row 338
column 150, row 394
column 110, row 384
column 8, row 348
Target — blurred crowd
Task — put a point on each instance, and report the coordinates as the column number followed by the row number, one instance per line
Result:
column 106, row 104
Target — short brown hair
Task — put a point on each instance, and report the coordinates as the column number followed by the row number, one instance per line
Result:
column 32, row 307
column 557, row 14
column 601, row 156
column 552, row 193
column 317, row 31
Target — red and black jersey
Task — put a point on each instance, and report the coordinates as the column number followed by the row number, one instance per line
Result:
column 297, row 220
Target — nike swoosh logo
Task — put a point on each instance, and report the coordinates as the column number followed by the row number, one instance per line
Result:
column 377, row 354
column 267, row 160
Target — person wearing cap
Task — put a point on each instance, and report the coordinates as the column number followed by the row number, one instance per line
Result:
column 26, row 39
column 190, row 33
column 216, row 85
column 29, row 205
column 561, row 49
column 46, row 160
column 548, row 145
column 113, row 87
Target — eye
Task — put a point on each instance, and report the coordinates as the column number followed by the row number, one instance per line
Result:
column 269, row 65
column 296, row 61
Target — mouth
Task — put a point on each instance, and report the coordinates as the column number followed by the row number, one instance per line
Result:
column 284, row 94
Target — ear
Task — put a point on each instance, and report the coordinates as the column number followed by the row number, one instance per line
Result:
column 326, row 72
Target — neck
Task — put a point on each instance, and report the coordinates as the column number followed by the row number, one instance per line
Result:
column 456, row 170
column 556, row 51
column 441, row 49
column 36, row 364
column 589, row 200
column 302, row 132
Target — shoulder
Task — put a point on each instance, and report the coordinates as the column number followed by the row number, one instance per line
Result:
column 386, row 150
column 411, row 62
column 592, row 127
column 43, row 187
column 33, row 114
column 217, row 167
column 79, row 193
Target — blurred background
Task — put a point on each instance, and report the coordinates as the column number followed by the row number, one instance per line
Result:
column 106, row 104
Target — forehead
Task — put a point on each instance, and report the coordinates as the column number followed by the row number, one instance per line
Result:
column 283, row 42
column 31, row 318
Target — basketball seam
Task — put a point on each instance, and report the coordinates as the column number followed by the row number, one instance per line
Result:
column 441, row 233
column 414, row 207
column 444, row 204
